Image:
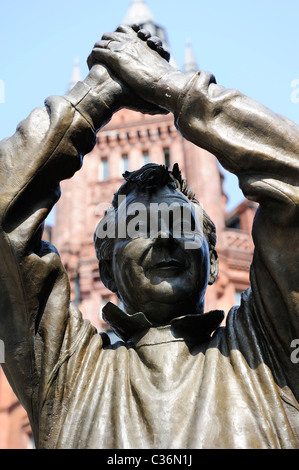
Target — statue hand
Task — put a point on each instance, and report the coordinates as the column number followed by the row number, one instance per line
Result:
column 116, row 94
column 136, row 58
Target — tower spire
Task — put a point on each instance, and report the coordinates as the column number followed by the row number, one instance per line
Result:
column 76, row 74
column 190, row 64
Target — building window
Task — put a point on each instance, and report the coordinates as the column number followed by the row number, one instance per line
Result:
column 166, row 157
column 104, row 169
column 124, row 164
column 234, row 222
column 145, row 158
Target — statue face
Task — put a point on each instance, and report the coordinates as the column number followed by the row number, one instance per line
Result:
column 157, row 273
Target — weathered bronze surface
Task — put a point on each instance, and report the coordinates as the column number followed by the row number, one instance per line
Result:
column 172, row 382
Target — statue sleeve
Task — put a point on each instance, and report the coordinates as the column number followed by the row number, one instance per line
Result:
column 248, row 139
column 262, row 149
column 38, row 325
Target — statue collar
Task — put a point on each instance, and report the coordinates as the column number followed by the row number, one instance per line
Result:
column 194, row 328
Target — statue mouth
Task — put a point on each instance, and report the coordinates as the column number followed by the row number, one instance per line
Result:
column 168, row 265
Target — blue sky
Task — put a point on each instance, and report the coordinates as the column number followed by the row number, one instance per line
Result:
column 250, row 45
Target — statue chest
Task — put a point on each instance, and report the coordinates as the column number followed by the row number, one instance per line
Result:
column 166, row 396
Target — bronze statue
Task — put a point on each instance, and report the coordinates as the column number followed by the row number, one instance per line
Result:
column 177, row 380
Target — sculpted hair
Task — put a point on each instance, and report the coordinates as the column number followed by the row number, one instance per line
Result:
column 148, row 178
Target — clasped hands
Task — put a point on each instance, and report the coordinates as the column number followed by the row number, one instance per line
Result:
column 132, row 64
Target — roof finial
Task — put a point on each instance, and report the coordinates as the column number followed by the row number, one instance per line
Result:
column 190, row 64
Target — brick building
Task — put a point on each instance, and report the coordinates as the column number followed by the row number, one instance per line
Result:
column 126, row 143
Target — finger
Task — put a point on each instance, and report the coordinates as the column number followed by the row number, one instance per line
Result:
column 90, row 61
column 125, row 29
column 113, row 36
column 117, row 37
column 103, row 44
column 99, row 55
column 144, row 34
column 154, row 42
column 109, row 36
column 136, row 27
column 163, row 53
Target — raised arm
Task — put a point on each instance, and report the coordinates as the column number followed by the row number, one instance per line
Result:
column 46, row 148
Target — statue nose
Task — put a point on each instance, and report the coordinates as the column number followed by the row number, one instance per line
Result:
column 165, row 233
column 164, row 238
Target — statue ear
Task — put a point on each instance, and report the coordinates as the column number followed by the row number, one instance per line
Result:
column 214, row 266
column 106, row 275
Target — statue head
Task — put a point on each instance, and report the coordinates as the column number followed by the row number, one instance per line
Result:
column 156, row 245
